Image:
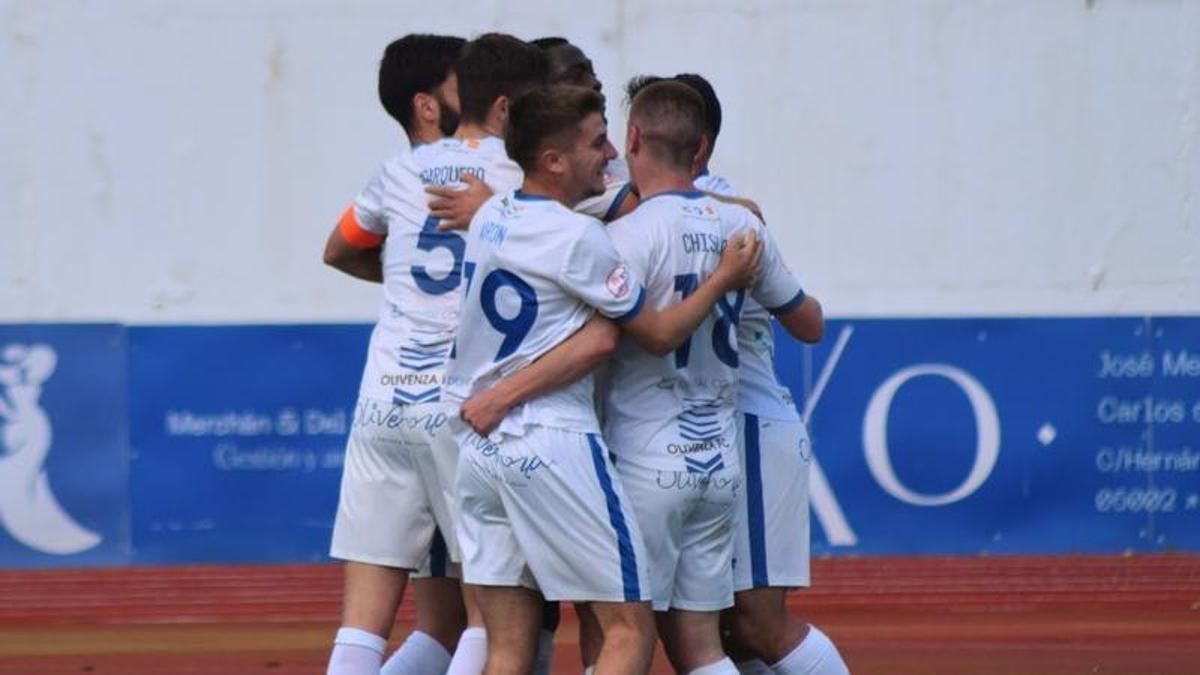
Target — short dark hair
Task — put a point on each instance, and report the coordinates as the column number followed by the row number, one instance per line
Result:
column 638, row 83
column 712, row 105
column 670, row 118
column 547, row 116
column 411, row 65
column 495, row 65
column 566, row 62
column 548, row 42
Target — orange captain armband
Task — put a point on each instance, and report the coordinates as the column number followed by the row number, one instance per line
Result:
column 354, row 233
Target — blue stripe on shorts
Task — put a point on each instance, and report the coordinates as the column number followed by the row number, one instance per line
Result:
column 754, row 504
column 616, row 516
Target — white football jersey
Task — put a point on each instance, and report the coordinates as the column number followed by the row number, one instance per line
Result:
column 710, row 182
column 759, row 391
column 672, row 242
column 422, row 268
column 535, row 273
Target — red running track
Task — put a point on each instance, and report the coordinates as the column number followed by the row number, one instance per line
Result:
column 1062, row 614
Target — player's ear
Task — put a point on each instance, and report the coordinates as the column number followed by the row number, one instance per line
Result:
column 633, row 139
column 553, row 162
column 499, row 110
column 698, row 158
column 425, row 107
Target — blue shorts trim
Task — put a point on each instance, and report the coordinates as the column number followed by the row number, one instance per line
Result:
column 616, row 516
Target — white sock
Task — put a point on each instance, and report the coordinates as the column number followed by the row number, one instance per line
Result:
column 722, row 667
column 754, row 667
column 471, row 655
column 590, row 670
column 816, row 655
column 356, row 652
column 545, row 653
column 419, row 655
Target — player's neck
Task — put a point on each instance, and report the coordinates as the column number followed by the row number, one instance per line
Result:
column 534, row 186
column 424, row 136
column 659, row 181
column 477, row 131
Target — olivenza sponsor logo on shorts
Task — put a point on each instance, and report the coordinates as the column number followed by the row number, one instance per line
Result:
column 29, row 511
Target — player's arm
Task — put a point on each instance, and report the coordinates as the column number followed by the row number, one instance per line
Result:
column 628, row 202
column 740, row 201
column 661, row 331
column 568, row 362
column 803, row 320
column 780, row 292
column 354, row 249
column 619, row 199
column 455, row 207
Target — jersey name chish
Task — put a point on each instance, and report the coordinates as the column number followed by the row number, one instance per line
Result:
column 422, row 268
column 672, row 243
column 535, row 272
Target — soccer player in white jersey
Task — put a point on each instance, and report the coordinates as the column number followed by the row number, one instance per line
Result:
column 670, row 419
column 540, row 509
column 772, row 545
column 386, row 523
column 567, row 64
column 396, row 505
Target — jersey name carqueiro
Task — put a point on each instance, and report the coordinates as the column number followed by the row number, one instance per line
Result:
column 535, row 272
column 422, row 268
column 672, row 242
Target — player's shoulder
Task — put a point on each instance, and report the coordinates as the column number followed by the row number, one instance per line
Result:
column 543, row 214
column 711, row 182
column 397, row 182
column 735, row 215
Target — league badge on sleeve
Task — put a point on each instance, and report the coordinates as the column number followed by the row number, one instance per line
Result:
column 618, row 281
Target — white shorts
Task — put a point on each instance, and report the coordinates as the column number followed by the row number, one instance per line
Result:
column 393, row 492
column 689, row 516
column 772, row 547
column 544, row 511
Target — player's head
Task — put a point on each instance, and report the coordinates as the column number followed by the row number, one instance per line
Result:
column 559, row 137
column 417, row 84
column 666, row 128
column 568, row 64
column 712, row 105
column 495, row 69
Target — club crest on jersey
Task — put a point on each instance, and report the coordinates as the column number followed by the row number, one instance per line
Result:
column 618, row 281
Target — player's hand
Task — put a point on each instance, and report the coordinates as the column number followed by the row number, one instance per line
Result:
column 484, row 411
column 740, row 261
column 455, row 207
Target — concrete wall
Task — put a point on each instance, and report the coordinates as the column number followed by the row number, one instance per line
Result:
column 172, row 161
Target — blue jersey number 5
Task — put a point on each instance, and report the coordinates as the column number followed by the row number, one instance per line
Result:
column 431, row 240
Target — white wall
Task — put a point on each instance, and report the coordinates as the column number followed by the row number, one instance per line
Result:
column 181, row 161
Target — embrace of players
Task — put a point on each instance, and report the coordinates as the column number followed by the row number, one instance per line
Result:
column 558, row 409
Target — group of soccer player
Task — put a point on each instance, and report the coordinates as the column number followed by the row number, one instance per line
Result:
column 555, row 409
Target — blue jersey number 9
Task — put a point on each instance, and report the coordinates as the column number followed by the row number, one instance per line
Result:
column 517, row 327
column 430, row 240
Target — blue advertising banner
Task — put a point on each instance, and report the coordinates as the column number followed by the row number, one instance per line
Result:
column 1003, row 435
column 948, row 436
column 238, row 435
column 64, row 465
